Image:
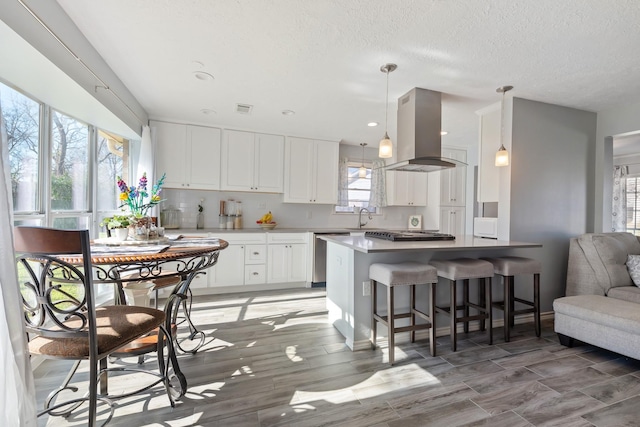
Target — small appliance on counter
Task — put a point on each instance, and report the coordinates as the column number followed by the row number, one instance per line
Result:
column 485, row 227
column 170, row 218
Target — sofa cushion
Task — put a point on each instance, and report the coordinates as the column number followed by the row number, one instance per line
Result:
column 633, row 267
column 626, row 293
column 599, row 310
column 607, row 255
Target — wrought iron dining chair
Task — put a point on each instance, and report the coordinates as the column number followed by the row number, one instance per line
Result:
column 63, row 322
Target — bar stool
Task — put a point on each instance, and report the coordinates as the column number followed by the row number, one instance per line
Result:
column 508, row 267
column 465, row 269
column 403, row 274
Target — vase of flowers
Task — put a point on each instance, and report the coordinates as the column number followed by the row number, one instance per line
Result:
column 139, row 200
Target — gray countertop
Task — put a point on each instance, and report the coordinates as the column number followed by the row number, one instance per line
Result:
column 275, row 230
column 368, row 245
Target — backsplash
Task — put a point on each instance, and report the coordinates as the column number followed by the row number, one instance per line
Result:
column 287, row 215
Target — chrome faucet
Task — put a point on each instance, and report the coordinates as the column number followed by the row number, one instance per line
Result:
column 360, row 223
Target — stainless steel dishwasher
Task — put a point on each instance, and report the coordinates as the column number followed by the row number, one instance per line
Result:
column 320, row 258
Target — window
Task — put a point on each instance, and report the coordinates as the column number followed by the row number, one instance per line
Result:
column 633, row 205
column 22, row 120
column 57, row 175
column 359, row 189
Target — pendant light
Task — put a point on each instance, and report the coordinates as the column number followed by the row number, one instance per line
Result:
column 385, row 149
column 362, row 172
column 502, row 156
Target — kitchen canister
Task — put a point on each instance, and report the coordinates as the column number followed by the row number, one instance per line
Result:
column 170, row 218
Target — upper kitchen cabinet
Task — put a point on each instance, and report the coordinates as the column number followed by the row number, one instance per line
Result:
column 189, row 155
column 311, row 171
column 488, row 176
column 252, row 162
column 406, row 188
column 453, row 181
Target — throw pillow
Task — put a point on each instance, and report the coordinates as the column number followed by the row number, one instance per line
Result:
column 633, row 265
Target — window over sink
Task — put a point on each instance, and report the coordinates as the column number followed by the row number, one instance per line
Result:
column 359, row 189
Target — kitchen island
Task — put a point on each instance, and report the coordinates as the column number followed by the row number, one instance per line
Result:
column 348, row 285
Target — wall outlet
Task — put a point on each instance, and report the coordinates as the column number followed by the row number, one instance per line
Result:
column 366, row 288
column 309, row 214
column 262, row 205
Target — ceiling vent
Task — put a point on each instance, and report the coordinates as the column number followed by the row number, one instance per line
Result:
column 244, row 108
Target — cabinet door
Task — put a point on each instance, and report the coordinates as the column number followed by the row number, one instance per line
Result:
column 453, row 181
column 229, row 270
column 278, row 264
column 298, row 170
column 204, row 160
column 269, row 163
column 325, row 179
column 297, row 263
column 406, row 188
column 452, row 220
column 237, row 161
column 171, row 139
column 418, row 186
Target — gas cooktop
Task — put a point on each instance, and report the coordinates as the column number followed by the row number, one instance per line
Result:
column 408, row 236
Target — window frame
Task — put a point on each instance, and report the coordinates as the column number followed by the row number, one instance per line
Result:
column 352, row 209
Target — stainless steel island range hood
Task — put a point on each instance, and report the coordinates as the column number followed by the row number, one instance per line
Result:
column 419, row 148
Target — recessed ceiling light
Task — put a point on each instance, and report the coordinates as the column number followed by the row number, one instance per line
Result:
column 208, row 111
column 443, row 132
column 288, row 112
column 372, row 124
column 201, row 75
column 197, row 64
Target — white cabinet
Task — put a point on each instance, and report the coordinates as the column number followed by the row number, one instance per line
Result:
column 188, row 155
column 406, row 188
column 255, row 270
column 229, row 270
column 488, row 172
column 245, row 255
column 252, row 162
column 287, row 257
column 452, row 220
column 453, row 181
column 311, row 171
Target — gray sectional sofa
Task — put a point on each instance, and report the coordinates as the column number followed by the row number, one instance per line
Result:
column 602, row 306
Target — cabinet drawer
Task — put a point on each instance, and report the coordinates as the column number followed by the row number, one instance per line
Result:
column 255, row 274
column 255, row 254
column 287, row 237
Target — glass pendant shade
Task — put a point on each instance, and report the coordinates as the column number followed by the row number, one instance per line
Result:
column 385, row 150
column 502, row 157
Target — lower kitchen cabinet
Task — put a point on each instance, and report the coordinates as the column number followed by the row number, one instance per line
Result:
column 245, row 255
column 287, row 263
column 287, row 257
column 229, row 270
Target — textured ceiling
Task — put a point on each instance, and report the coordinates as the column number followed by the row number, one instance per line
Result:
column 321, row 58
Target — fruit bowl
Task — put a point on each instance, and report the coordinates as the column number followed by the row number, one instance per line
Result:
column 268, row 225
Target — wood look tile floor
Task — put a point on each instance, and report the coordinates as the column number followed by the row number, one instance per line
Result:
column 274, row 360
